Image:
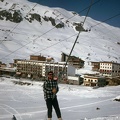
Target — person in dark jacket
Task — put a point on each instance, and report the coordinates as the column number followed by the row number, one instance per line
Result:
column 14, row 118
column 50, row 88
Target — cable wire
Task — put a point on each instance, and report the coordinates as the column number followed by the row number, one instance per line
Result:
column 63, row 72
column 106, row 20
column 40, row 35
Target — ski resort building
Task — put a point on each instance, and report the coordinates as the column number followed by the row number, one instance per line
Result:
column 5, row 71
column 95, row 66
column 73, row 60
column 110, row 69
column 99, row 81
column 37, row 58
column 75, row 80
column 38, row 69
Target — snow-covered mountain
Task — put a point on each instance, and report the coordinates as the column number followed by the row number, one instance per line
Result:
column 29, row 28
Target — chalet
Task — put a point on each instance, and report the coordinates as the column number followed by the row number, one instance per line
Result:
column 11, row 65
column 75, row 80
column 4, row 70
column 3, row 65
column 73, row 60
column 99, row 81
column 50, row 59
column 7, row 71
column 37, row 57
column 95, row 66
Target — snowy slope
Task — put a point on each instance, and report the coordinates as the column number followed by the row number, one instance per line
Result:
column 19, row 40
column 26, row 102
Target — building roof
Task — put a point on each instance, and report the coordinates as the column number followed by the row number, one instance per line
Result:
column 97, row 76
column 112, row 62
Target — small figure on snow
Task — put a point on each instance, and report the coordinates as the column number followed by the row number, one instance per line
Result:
column 97, row 108
column 14, row 118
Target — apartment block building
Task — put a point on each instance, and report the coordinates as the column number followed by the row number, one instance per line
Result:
column 110, row 69
column 94, row 81
column 37, row 69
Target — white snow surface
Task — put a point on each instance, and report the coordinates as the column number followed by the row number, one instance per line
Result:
column 26, row 102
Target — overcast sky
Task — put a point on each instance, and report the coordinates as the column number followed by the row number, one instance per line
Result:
column 100, row 11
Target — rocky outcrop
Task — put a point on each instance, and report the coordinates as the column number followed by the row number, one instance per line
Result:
column 14, row 16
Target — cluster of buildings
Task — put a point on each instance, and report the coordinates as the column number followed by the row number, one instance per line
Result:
column 38, row 66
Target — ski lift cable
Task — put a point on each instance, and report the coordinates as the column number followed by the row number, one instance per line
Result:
column 35, row 38
column 79, row 11
column 44, row 48
column 101, row 23
column 54, row 26
column 105, row 20
column 18, row 24
column 71, row 36
column 45, row 33
column 77, row 37
column 57, row 42
column 56, row 17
